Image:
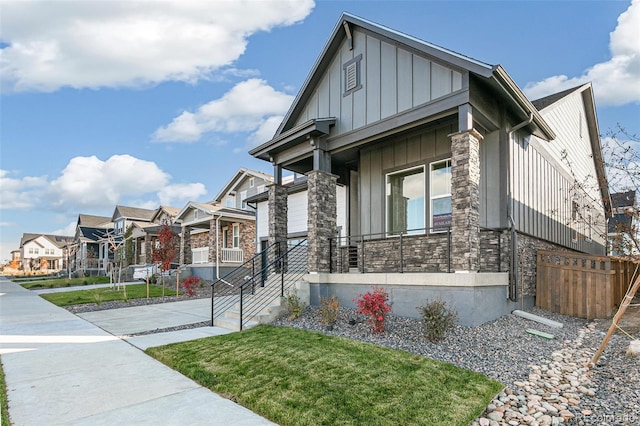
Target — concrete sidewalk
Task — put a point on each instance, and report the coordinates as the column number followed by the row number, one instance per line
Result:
column 61, row 369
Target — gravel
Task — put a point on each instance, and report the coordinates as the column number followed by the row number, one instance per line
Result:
column 504, row 351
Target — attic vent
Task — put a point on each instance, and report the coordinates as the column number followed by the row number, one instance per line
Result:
column 352, row 75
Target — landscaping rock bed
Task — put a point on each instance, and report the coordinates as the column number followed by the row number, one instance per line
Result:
column 538, row 373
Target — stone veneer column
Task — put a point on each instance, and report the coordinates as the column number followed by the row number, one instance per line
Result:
column 278, row 215
column 321, row 220
column 211, row 241
column 465, row 200
column 186, row 247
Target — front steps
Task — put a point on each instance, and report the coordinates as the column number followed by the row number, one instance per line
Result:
column 268, row 311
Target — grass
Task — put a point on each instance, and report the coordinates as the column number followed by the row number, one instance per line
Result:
column 100, row 295
column 298, row 377
column 64, row 282
column 4, row 406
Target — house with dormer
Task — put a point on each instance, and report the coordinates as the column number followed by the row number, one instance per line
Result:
column 89, row 252
column 43, row 252
column 453, row 177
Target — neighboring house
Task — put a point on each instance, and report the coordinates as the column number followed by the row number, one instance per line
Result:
column 215, row 238
column 143, row 234
column 244, row 184
column 44, row 252
column 89, row 252
column 123, row 216
column 623, row 225
column 447, row 167
column 297, row 218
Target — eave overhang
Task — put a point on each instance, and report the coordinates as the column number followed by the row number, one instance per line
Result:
column 312, row 128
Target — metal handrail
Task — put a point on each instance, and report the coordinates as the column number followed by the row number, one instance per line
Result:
column 280, row 264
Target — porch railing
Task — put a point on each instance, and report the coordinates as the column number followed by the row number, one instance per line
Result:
column 232, row 255
column 413, row 250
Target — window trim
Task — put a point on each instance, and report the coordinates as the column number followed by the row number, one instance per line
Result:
column 389, row 233
column 235, row 236
column 432, row 230
column 200, row 250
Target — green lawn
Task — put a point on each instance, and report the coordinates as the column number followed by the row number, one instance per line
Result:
column 4, row 406
column 99, row 295
column 63, row 282
column 298, row 377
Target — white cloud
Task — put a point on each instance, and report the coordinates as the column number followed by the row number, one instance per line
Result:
column 251, row 106
column 83, row 44
column 178, row 194
column 90, row 184
column 20, row 193
column 616, row 81
column 7, row 224
column 70, row 229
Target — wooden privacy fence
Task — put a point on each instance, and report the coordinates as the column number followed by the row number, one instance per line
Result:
column 581, row 285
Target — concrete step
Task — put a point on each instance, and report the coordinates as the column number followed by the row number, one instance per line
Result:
column 233, row 323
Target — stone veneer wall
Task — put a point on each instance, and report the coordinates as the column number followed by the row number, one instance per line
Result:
column 199, row 240
column 494, row 250
column 278, row 210
column 528, row 247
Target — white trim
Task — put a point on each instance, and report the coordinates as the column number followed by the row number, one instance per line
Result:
column 386, row 198
column 438, row 197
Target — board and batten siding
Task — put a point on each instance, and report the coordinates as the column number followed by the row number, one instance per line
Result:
column 391, row 155
column 393, row 80
column 543, row 191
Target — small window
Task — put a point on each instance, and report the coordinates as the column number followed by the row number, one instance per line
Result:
column 243, row 203
column 231, row 201
column 225, row 238
column 440, row 195
column 196, row 214
column 236, row 235
column 352, row 71
column 252, row 182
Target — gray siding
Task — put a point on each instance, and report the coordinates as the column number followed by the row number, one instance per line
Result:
column 395, row 154
column 492, row 207
column 393, row 80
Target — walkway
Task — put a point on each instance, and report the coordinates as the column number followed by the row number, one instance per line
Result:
column 61, row 369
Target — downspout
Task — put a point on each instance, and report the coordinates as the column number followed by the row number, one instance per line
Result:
column 513, row 270
column 218, row 247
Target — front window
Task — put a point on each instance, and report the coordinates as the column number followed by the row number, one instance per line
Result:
column 440, row 194
column 231, row 201
column 405, row 201
column 236, row 236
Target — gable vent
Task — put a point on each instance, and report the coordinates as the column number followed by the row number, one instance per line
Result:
column 352, row 77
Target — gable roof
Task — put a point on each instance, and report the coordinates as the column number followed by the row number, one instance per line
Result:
column 91, row 220
column 498, row 78
column 586, row 92
column 172, row 212
column 214, row 210
column 132, row 213
column 92, row 233
column 57, row 240
column 237, row 178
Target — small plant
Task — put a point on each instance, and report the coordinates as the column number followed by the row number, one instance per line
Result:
column 124, row 294
column 98, row 297
column 190, row 285
column 329, row 309
column 437, row 319
column 374, row 305
column 294, row 306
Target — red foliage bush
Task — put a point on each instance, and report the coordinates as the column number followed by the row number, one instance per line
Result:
column 374, row 305
column 190, row 285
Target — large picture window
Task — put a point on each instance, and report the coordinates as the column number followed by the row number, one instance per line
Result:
column 406, row 201
column 440, row 195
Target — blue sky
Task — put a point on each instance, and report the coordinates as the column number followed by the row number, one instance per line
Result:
column 142, row 103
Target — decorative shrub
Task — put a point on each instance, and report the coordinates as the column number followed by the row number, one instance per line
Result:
column 294, row 305
column 374, row 305
column 329, row 309
column 437, row 319
column 190, row 285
